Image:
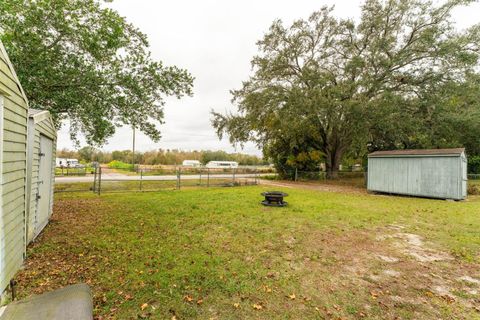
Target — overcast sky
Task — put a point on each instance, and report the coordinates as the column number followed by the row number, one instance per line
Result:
column 215, row 41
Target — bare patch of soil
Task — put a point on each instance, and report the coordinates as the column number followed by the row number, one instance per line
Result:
column 315, row 186
column 396, row 272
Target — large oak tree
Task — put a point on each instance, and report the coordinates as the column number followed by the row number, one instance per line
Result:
column 332, row 84
column 84, row 62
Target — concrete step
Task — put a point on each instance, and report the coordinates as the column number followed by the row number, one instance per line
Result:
column 70, row 303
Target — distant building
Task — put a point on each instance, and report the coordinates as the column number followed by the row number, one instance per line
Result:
column 191, row 163
column 222, row 164
column 67, row 163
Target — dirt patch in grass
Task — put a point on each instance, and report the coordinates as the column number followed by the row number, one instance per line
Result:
column 325, row 186
column 398, row 275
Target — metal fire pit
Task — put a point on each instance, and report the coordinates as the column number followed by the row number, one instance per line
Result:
column 274, row 199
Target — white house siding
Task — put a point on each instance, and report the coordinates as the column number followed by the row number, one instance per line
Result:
column 13, row 128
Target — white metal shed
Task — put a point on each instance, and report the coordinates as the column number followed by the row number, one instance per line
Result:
column 41, row 149
column 432, row 173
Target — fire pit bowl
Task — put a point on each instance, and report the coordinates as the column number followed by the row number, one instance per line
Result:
column 274, row 198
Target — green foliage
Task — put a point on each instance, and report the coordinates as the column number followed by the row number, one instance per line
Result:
column 86, row 154
column 474, row 164
column 401, row 77
column 115, row 164
column 85, row 63
column 242, row 159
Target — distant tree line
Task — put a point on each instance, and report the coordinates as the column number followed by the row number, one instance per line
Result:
column 158, row 157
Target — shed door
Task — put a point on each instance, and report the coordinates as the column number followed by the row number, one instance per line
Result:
column 464, row 180
column 44, row 184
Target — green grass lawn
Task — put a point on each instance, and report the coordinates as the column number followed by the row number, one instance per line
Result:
column 216, row 253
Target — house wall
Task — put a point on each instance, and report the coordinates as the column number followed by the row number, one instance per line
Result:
column 426, row 176
column 36, row 128
column 12, row 171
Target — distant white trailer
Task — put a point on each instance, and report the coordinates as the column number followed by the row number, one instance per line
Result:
column 222, row 164
column 60, row 162
column 73, row 163
column 66, row 163
column 191, row 163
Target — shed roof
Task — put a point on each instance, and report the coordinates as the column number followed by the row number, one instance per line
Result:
column 418, row 152
column 32, row 112
column 39, row 115
column 12, row 71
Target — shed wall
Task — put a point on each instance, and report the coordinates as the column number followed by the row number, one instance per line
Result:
column 46, row 128
column 13, row 164
column 426, row 176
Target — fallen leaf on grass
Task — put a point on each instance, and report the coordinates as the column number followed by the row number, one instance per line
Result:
column 199, row 301
column 292, row 296
column 188, row 298
column 448, row 298
column 236, row 305
column 267, row 289
column 429, row 294
column 144, row 306
column 257, row 306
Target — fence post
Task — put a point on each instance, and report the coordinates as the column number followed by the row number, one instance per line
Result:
column 296, row 174
column 233, row 176
column 208, row 177
column 200, row 182
column 141, row 179
column 179, row 175
column 255, row 175
column 99, row 180
column 94, row 180
column 365, row 176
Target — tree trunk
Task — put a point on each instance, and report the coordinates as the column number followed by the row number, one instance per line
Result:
column 333, row 163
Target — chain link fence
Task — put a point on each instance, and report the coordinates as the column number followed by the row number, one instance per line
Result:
column 359, row 179
column 144, row 180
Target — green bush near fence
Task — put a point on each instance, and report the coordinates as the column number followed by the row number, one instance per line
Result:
column 474, row 165
column 115, row 164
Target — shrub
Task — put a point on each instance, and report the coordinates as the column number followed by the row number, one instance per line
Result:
column 115, row 164
column 473, row 189
column 474, row 164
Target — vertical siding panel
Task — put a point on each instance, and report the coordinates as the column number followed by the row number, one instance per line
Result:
column 435, row 176
column 13, row 163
